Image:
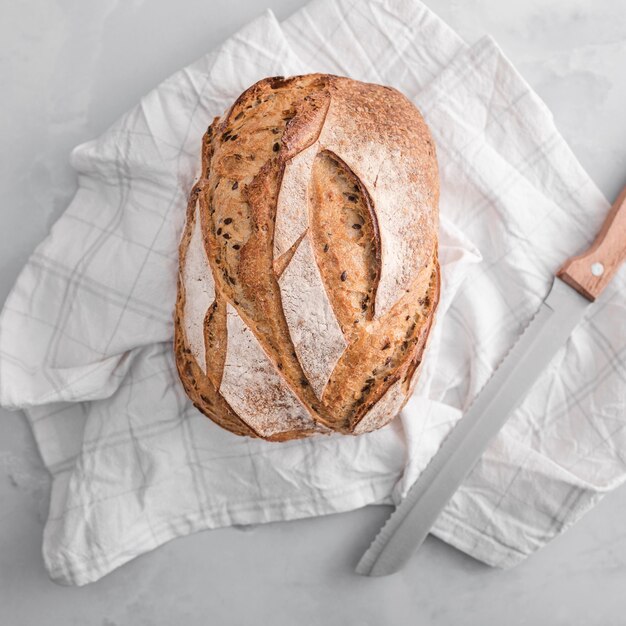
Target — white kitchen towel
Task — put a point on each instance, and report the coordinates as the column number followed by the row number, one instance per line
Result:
column 85, row 335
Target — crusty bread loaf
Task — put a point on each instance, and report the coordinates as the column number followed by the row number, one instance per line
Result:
column 308, row 275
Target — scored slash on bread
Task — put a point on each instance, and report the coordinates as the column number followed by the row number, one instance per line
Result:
column 315, row 217
column 315, row 332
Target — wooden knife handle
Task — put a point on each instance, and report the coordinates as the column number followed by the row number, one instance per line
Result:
column 590, row 272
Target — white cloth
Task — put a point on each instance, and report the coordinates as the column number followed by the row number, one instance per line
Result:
column 85, row 335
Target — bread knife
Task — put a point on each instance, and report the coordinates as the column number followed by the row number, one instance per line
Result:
column 577, row 284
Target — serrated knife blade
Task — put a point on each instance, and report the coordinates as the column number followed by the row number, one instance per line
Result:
column 579, row 282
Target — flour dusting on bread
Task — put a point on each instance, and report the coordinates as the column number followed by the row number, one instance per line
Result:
column 199, row 290
column 254, row 389
column 316, row 335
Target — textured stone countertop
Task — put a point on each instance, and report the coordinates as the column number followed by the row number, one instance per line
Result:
column 69, row 69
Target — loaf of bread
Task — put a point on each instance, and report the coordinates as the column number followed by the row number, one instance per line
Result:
column 308, row 276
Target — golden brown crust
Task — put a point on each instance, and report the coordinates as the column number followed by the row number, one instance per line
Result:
column 346, row 240
column 381, row 352
column 199, row 387
column 365, row 188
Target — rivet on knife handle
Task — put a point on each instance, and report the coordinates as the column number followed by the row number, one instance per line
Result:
column 590, row 272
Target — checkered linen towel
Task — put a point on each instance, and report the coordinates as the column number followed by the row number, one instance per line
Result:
column 85, row 335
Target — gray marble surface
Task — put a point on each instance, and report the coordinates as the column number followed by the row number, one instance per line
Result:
column 69, row 69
